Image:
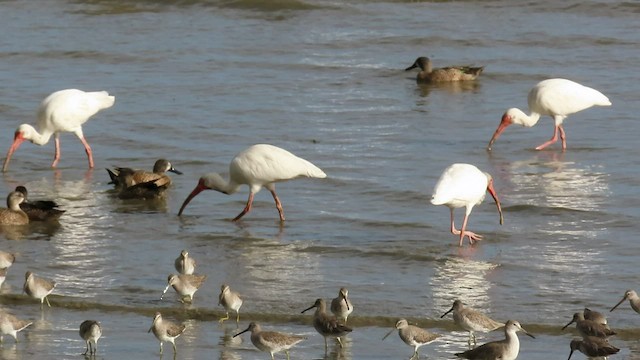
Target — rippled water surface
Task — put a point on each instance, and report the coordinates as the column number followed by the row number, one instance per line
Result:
column 198, row 81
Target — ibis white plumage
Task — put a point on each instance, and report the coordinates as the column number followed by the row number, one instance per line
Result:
column 62, row 111
column 464, row 185
column 258, row 166
column 557, row 98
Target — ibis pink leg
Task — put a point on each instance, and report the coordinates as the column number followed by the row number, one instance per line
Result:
column 278, row 205
column 87, row 149
column 246, row 209
column 557, row 129
column 56, row 156
column 462, row 232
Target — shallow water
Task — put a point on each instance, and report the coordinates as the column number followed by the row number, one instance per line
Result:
column 198, row 81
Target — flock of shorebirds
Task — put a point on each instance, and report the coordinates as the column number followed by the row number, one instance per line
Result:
column 262, row 165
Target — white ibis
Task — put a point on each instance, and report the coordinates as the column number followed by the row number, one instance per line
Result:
column 464, row 185
column 258, row 166
column 557, row 98
column 62, row 111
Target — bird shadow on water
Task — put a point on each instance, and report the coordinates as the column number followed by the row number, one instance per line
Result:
column 44, row 230
column 451, row 87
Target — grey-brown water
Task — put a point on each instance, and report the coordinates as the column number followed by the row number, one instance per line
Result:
column 198, row 81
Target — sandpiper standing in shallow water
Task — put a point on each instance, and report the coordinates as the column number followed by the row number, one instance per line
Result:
column 341, row 306
column 593, row 346
column 271, row 341
column 472, row 320
column 413, row 336
column 11, row 325
column 326, row 325
column 165, row 330
column 589, row 327
column 185, row 264
column 90, row 332
column 230, row 300
column 38, row 288
column 185, row 285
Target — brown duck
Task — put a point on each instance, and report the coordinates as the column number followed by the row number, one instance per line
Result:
column 14, row 215
column 127, row 177
column 445, row 74
column 40, row 210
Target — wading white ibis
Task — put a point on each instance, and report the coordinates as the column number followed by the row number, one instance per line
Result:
column 557, row 98
column 62, row 111
column 258, row 166
column 464, row 185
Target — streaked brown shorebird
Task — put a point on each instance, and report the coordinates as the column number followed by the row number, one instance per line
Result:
column 327, row 325
column 413, row 336
column 589, row 327
column 633, row 298
column 593, row 346
column 38, row 288
column 165, row 330
column 428, row 74
column 11, row 325
column 271, row 341
column 39, row 210
column 472, row 320
column 506, row 349
column 341, row 306
column 185, row 264
column 230, row 300
column 90, row 332
column 594, row 316
column 13, row 214
column 185, row 285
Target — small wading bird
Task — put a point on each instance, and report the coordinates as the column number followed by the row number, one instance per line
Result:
column 557, row 98
column 62, row 111
column 258, row 166
column 165, row 330
column 506, row 349
column 472, row 320
column 11, row 325
column 341, row 306
column 90, row 332
column 589, row 327
column 271, row 341
column 230, row 300
column 446, row 74
column 327, row 325
column 38, row 288
column 413, row 336
column 464, row 185
column 592, row 347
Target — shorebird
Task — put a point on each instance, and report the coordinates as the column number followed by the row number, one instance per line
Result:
column 464, row 185
column 271, row 341
column 184, row 263
column 11, row 325
column 428, row 74
column 506, row 349
column 413, row 336
column 165, row 330
column 6, row 259
column 258, row 166
column 62, row 111
column 230, row 300
column 185, row 285
column 633, row 298
column 589, row 327
column 123, row 177
column 592, row 347
column 341, row 306
column 594, row 316
column 38, row 288
column 90, row 332
column 557, row 98
column 13, row 214
column 39, row 210
column 326, row 325
column 472, row 320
